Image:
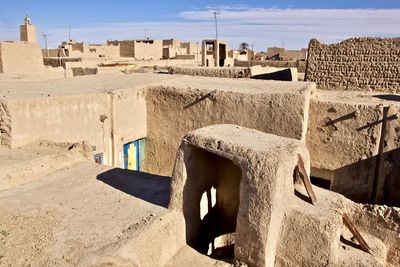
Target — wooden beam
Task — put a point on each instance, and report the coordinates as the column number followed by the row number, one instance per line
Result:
column 306, row 179
column 378, row 183
column 349, row 224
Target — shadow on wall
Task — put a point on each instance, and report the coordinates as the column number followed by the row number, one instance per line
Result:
column 356, row 181
column 148, row 187
column 281, row 75
column 388, row 97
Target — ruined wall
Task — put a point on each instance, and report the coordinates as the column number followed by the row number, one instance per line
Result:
column 300, row 65
column 21, row 58
column 273, row 52
column 192, row 48
column 367, row 64
column 227, row 72
column 173, row 52
column 5, row 125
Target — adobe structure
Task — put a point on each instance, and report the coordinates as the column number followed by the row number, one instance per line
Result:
column 144, row 167
column 215, row 53
column 28, row 31
column 278, row 53
column 23, row 57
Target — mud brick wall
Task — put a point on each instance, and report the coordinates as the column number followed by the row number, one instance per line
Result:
column 299, row 64
column 21, row 58
column 360, row 64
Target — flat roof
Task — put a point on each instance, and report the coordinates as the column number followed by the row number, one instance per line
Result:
column 17, row 89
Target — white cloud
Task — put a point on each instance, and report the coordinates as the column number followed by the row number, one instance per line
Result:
column 259, row 26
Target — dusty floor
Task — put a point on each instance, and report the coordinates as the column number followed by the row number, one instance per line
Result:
column 57, row 220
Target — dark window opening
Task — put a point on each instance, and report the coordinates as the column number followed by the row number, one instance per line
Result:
column 212, row 203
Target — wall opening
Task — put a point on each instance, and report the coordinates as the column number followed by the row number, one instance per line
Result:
column 321, row 182
column 211, row 203
column 222, row 54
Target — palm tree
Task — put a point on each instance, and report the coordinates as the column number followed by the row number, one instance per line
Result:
column 244, row 46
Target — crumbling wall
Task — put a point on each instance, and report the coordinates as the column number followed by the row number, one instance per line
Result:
column 21, row 58
column 299, row 64
column 191, row 47
column 5, row 125
column 228, row 72
column 364, row 64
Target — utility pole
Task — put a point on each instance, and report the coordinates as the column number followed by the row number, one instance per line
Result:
column 197, row 54
column 45, row 43
column 69, row 33
column 216, row 24
column 145, row 33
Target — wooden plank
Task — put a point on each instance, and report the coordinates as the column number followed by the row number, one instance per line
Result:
column 378, row 183
column 306, row 179
column 349, row 224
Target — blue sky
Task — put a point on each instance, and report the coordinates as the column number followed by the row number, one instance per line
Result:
column 262, row 23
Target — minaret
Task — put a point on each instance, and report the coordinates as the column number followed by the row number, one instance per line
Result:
column 28, row 31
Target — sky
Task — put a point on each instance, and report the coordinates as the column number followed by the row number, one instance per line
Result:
column 284, row 23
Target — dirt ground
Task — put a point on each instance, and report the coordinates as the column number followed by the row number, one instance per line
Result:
column 59, row 219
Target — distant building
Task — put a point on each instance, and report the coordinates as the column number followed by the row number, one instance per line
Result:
column 241, row 55
column 28, row 31
column 22, row 57
column 215, row 53
column 278, row 53
column 140, row 49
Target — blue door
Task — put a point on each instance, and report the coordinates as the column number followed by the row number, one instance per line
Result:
column 134, row 154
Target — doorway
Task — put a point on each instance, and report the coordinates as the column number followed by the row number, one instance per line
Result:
column 211, row 203
column 134, row 154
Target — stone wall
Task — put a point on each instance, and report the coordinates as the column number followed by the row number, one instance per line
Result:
column 363, row 64
column 21, row 58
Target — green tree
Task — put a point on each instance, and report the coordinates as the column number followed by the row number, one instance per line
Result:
column 244, row 46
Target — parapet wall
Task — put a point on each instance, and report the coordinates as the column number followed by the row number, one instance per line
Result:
column 185, row 104
column 228, row 72
column 21, row 58
column 299, row 64
column 362, row 64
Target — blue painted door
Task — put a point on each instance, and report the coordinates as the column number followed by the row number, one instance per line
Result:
column 134, row 154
